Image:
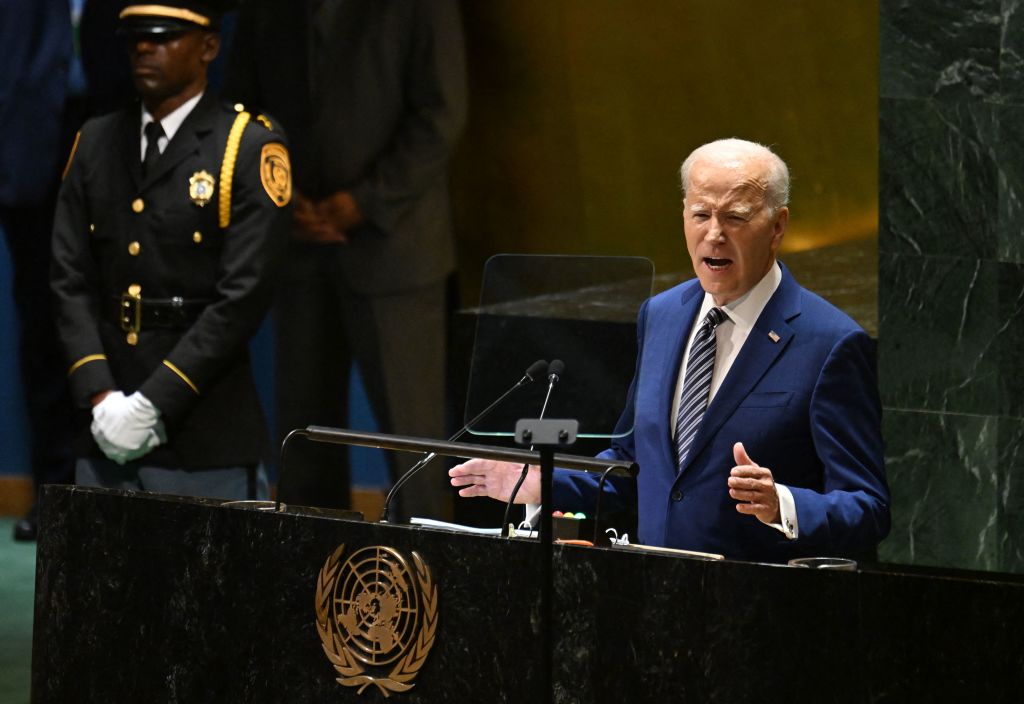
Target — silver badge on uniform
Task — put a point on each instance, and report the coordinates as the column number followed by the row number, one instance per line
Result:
column 200, row 188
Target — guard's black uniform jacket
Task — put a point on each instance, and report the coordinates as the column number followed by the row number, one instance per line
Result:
column 161, row 281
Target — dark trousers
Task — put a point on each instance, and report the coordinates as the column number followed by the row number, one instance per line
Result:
column 398, row 343
column 240, row 483
column 43, row 369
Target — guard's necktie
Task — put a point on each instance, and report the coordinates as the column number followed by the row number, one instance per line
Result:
column 153, row 132
column 697, row 385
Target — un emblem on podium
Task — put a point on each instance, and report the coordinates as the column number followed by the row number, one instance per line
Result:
column 377, row 616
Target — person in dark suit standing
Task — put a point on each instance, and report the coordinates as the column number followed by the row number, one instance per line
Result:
column 754, row 410
column 170, row 219
column 35, row 51
column 373, row 96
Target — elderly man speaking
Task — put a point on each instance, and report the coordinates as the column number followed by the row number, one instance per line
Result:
column 754, row 408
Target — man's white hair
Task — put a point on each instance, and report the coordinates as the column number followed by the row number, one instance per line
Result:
column 777, row 187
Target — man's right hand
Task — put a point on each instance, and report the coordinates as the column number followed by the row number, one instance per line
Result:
column 126, row 427
column 496, row 480
column 311, row 226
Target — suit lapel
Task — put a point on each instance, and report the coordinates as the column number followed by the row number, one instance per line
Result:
column 759, row 352
column 670, row 347
column 186, row 139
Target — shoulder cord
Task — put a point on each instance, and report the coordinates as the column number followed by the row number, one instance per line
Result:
column 227, row 168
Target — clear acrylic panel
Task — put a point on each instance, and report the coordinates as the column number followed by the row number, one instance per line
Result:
column 578, row 309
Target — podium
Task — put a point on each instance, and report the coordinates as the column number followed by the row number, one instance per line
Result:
column 144, row 597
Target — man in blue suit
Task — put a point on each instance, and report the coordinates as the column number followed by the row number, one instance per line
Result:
column 35, row 53
column 754, row 408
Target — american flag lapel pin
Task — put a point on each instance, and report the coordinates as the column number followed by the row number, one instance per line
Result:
column 774, row 335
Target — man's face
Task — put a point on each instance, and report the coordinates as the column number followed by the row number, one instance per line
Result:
column 731, row 234
column 168, row 65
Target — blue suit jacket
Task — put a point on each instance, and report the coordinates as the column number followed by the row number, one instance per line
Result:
column 35, row 48
column 805, row 406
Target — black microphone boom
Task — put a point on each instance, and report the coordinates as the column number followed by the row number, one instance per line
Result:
column 532, row 373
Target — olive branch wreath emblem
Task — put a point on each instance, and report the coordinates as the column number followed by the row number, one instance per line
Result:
column 401, row 677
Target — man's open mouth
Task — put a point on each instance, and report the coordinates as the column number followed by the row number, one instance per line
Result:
column 716, row 264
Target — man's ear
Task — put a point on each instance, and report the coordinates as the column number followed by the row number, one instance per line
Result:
column 211, row 47
column 779, row 228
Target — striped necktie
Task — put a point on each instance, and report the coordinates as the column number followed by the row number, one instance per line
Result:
column 697, row 385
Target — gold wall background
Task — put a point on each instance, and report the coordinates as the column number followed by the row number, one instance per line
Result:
column 582, row 110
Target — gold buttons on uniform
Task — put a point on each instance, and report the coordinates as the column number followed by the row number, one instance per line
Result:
column 197, row 236
column 134, row 248
column 132, row 338
column 138, row 205
column 239, row 107
column 134, row 290
column 92, row 227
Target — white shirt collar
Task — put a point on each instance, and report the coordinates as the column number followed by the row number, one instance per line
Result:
column 746, row 309
column 173, row 121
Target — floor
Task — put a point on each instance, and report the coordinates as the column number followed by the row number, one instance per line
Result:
column 17, row 583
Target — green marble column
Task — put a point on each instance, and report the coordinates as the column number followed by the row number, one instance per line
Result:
column 951, row 280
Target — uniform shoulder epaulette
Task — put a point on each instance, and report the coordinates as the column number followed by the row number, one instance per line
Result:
column 259, row 117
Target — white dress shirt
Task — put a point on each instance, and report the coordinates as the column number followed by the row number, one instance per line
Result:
column 729, row 338
column 170, row 124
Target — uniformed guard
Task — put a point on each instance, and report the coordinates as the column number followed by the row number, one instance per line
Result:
column 171, row 220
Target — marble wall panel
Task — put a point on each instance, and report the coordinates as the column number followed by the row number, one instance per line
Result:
column 938, row 178
column 1010, row 165
column 1010, row 339
column 1011, row 52
column 938, row 334
column 940, row 48
column 1011, row 494
column 951, row 280
column 945, row 485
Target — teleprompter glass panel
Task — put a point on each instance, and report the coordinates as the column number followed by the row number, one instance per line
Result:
column 577, row 309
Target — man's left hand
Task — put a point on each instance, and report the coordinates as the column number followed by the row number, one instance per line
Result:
column 753, row 486
column 127, row 427
column 340, row 210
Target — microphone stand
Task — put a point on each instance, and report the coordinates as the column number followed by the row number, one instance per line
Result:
column 528, row 378
column 298, row 432
column 545, row 436
column 526, row 467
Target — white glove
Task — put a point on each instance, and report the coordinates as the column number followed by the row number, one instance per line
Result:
column 126, row 428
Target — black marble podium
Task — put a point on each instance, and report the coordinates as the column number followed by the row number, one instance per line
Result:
column 153, row 598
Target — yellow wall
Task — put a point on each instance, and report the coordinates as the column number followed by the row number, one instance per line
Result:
column 582, row 110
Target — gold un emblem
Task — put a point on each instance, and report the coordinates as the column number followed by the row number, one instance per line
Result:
column 376, row 615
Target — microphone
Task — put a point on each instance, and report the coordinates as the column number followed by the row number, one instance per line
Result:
column 555, row 371
column 531, row 374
